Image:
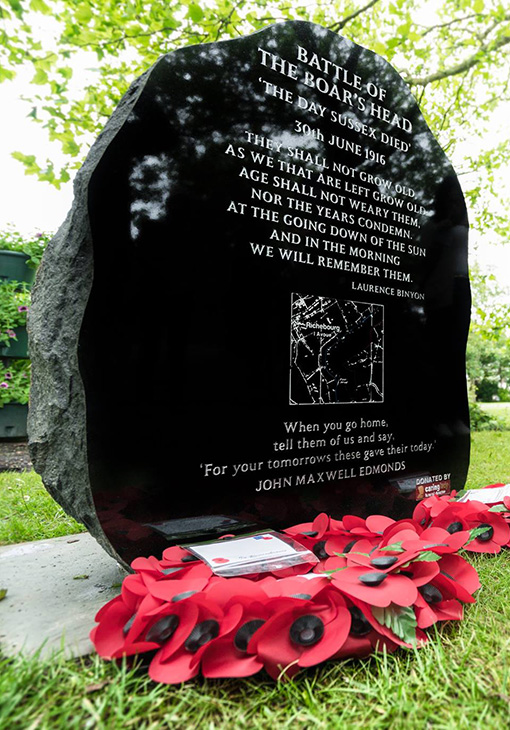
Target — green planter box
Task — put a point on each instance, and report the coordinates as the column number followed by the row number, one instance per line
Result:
column 13, row 420
column 13, row 266
column 17, row 348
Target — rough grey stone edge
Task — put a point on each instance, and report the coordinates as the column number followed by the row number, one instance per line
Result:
column 57, row 428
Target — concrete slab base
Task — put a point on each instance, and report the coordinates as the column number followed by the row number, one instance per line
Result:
column 54, row 590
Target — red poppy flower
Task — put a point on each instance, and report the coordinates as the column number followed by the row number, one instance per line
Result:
column 297, row 530
column 438, row 540
column 400, row 531
column 456, row 515
column 112, row 637
column 496, row 535
column 470, row 515
column 283, row 621
column 314, row 535
column 301, row 633
column 431, row 606
column 322, row 525
column 375, row 587
column 149, row 565
column 197, row 623
column 176, row 590
column 294, row 570
column 124, row 624
column 365, row 629
column 363, row 646
column 372, row 527
column 421, row 515
column 175, row 557
column 327, row 567
column 297, row 587
column 342, row 544
column 378, row 524
column 421, row 572
column 399, row 563
column 152, row 570
column 363, row 638
column 222, row 591
column 389, row 561
column 430, row 508
column 231, row 655
column 133, row 590
column 457, row 578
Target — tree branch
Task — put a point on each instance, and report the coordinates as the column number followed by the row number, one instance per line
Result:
column 341, row 23
column 224, row 22
column 453, row 101
column 460, row 68
column 449, row 23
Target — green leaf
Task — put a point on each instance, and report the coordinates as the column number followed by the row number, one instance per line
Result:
column 353, row 552
column 66, row 72
column 399, row 619
column 83, row 13
column 404, row 28
column 476, row 532
column 335, row 570
column 394, row 547
column 29, row 161
column 427, row 556
column 498, row 508
column 39, row 6
column 6, row 75
column 70, row 148
column 379, row 48
column 195, row 12
column 41, row 77
column 3, row 593
column 16, row 6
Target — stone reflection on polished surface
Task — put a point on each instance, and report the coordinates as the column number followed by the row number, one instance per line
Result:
column 280, row 301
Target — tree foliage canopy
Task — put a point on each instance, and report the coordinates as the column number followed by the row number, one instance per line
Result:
column 488, row 350
column 455, row 59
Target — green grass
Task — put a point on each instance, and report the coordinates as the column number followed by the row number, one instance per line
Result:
column 461, row 680
column 499, row 411
column 27, row 512
column 490, row 459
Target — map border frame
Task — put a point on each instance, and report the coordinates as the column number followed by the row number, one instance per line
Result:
column 336, row 403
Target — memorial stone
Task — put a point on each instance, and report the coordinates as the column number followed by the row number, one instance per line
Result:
column 258, row 307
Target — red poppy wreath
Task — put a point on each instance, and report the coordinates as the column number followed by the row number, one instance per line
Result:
column 379, row 584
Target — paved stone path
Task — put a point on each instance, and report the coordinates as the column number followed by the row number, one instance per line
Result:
column 54, row 589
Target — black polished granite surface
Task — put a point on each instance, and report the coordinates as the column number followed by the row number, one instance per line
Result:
column 280, row 303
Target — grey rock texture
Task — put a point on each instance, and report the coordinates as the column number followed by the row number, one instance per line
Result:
column 57, row 413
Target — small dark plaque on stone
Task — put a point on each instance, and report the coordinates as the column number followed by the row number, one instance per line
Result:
column 257, row 309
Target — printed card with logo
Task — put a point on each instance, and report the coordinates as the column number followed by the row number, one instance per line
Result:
column 491, row 495
column 261, row 553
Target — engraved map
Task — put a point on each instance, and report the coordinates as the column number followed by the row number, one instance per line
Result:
column 337, row 351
